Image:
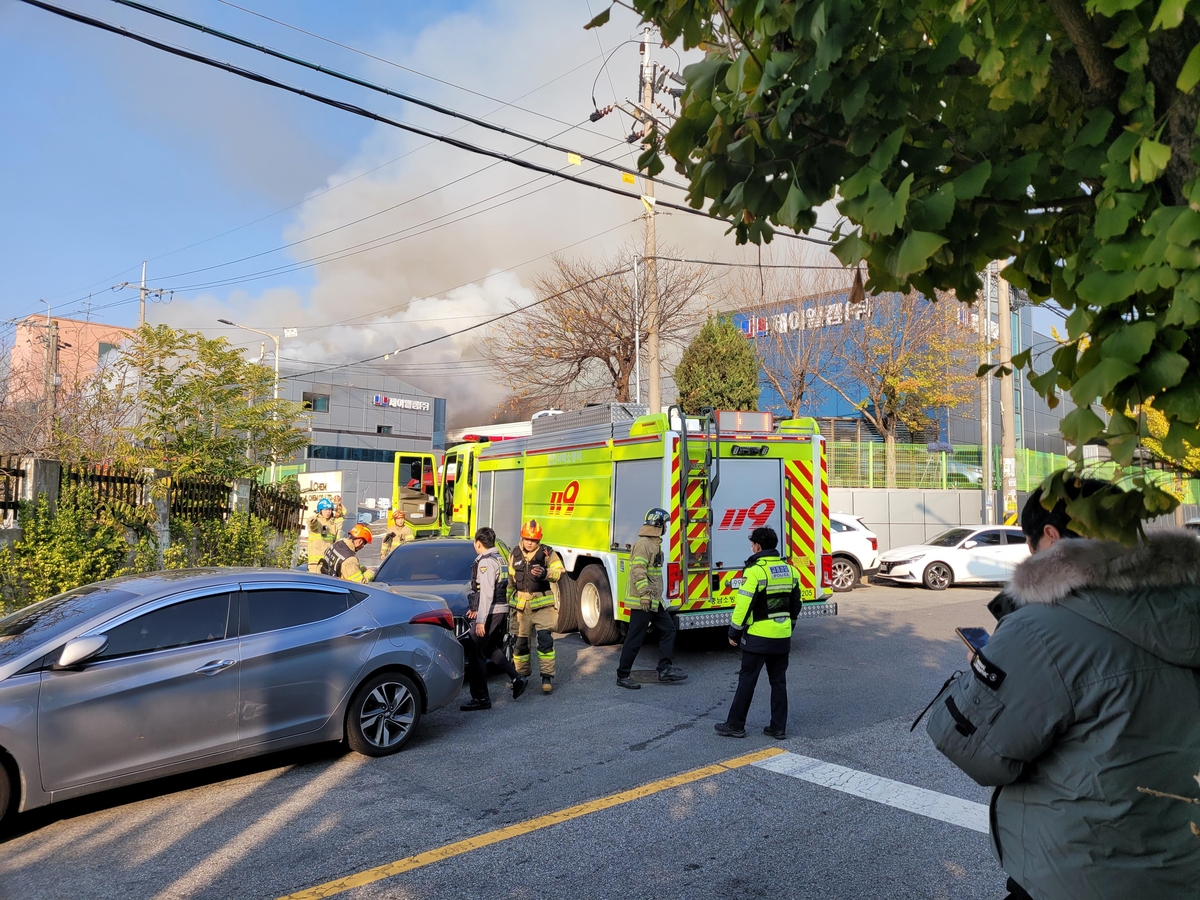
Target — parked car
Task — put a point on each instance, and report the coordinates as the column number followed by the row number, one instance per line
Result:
column 956, row 556
column 143, row 676
column 432, row 566
column 855, row 550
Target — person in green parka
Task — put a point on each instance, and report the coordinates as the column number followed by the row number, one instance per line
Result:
column 1083, row 711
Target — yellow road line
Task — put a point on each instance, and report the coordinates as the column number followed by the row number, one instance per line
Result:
column 331, row 888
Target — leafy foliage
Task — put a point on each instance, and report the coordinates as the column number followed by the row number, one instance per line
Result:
column 78, row 543
column 719, row 369
column 1060, row 135
column 241, row 540
column 200, row 408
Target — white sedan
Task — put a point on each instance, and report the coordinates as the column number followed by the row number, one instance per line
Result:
column 956, row 556
column 855, row 550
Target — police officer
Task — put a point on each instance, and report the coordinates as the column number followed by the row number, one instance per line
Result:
column 488, row 614
column 341, row 560
column 532, row 569
column 646, row 587
column 399, row 532
column 322, row 532
column 764, row 612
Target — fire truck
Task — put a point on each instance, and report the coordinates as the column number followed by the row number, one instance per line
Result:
column 590, row 475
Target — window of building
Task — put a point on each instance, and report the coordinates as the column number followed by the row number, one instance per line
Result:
column 352, row 454
column 315, row 402
column 105, row 353
column 383, row 429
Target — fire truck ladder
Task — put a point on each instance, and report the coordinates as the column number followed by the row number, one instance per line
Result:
column 699, row 477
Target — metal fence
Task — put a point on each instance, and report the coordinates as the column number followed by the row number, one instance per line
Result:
column 108, row 483
column 11, row 474
column 200, row 498
column 270, row 503
column 863, row 464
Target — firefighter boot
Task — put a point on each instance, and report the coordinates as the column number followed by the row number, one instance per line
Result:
column 547, row 684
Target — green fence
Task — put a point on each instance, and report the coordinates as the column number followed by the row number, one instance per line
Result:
column 863, row 465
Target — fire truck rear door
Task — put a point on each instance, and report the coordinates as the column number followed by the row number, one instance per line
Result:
column 750, row 496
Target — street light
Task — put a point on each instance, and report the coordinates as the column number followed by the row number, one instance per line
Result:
column 275, row 338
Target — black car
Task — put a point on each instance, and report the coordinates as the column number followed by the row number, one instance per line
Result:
column 437, row 566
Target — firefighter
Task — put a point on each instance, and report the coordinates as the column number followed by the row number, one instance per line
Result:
column 322, row 532
column 532, row 569
column 646, row 586
column 399, row 532
column 764, row 612
column 341, row 560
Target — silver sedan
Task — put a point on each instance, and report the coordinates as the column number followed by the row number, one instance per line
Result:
column 144, row 676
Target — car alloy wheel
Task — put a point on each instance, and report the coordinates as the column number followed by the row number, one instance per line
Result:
column 383, row 715
column 937, row 576
column 845, row 574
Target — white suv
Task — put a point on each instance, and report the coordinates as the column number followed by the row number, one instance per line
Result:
column 855, row 550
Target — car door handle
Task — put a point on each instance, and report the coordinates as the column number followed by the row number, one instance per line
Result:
column 360, row 631
column 215, row 666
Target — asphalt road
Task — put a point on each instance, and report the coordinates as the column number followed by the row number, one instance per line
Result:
column 270, row 827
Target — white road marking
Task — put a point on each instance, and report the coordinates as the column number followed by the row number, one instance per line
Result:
column 943, row 807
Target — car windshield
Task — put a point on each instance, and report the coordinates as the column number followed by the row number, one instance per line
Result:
column 29, row 626
column 443, row 561
column 950, row 538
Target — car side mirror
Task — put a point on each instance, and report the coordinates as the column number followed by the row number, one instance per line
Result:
column 968, row 545
column 81, row 650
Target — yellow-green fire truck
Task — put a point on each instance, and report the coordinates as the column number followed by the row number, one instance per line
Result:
column 590, row 475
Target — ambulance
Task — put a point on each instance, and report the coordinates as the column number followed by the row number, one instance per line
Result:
column 589, row 476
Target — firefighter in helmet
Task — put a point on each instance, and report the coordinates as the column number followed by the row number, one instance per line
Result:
column 399, row 532
column 341, row 560
column 646, row 587
column 322, row 532
column 532, row 568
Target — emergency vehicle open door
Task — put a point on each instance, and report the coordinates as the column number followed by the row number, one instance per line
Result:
column 415, row 490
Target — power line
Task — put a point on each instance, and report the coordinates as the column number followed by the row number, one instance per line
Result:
column 378, row 88
column 368, row 114
column 388, row 62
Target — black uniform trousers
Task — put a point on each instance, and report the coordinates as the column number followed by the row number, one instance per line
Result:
column 478, row 651
column 752, row 665
column 639, row 623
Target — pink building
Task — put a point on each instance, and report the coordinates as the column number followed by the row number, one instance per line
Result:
column 82, row 348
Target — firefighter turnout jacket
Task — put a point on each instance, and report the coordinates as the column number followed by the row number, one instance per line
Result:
column 394, row 537
column 769, row 599
column 645, row 567
column 341, row 561
column 321, row 534
column 529, row 591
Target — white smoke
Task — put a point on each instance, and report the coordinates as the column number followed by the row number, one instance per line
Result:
column 424, row 274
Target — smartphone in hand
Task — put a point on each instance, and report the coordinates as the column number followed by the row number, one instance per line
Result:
column 975, row 638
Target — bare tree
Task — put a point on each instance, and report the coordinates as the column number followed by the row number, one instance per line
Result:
column 906, row 355
column 578, row 344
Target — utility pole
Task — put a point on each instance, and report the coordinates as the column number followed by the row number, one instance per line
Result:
column 1008, row 419
column 143, row 293
column 637, row 337
column 654, row 386
column 985, row 399
column 142, row 306
column 50, row 374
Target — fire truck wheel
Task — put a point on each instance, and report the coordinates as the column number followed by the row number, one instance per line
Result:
column 568, row 605
column 596, row 622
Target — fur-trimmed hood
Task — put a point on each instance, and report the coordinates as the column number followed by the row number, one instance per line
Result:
column 1149, row 593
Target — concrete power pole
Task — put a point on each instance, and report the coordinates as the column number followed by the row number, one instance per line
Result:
column 142, row 309
column 1008, row 419
column 654, row 385
column 985, row 399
